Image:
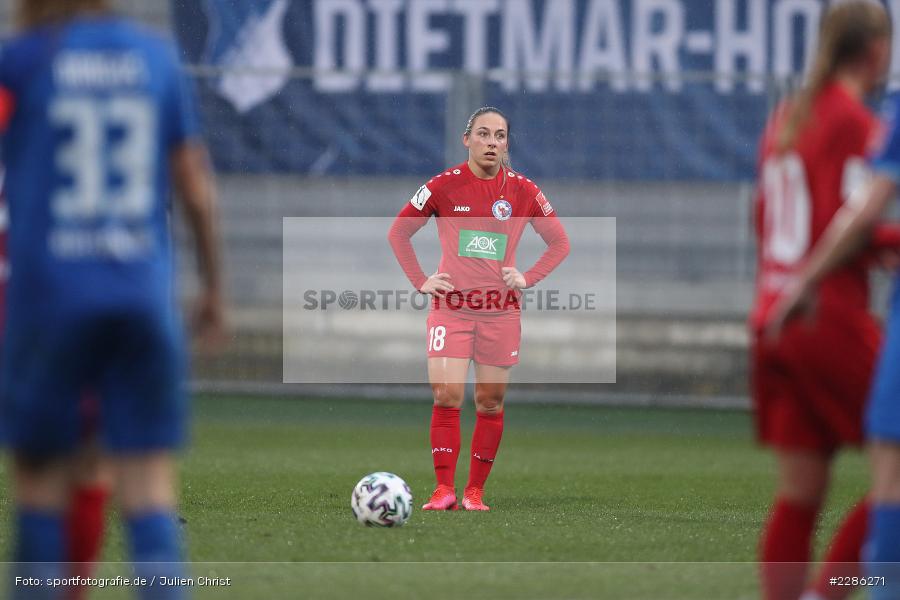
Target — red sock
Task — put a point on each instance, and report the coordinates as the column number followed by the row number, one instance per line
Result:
column 445, row 443
column 785, row 549
column 485, row 441
column 84, row 530
column 843, row 557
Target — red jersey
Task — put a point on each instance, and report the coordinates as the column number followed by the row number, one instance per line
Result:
column 800, row 190
column 480, row 223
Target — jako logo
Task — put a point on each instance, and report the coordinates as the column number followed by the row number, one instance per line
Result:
column 447, row 450
column 461, row 209
column 482, row 243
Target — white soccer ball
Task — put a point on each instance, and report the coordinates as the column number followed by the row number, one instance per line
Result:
column 381, row 500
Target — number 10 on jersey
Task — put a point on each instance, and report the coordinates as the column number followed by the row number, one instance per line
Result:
column 788, row 209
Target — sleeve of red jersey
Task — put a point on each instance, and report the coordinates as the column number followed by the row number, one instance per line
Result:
column 410, row 220
column 773, row 125
column 885, row 238
column 856, row 136
column 857, row 133
column 765, row 141
column 551, row 230
column 7, row 99
column 7, row 105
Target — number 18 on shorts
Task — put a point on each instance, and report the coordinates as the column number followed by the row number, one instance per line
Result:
column 489, row 341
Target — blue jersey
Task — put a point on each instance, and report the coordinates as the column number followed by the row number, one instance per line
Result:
column 887, row 159
column 883, row 415
column 100, row 103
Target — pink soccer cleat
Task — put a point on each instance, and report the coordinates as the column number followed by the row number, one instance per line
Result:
column 472, row 499
column 443, row 498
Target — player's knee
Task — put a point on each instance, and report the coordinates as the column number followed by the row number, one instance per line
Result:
column 40, row 481
column 35, row 465
column 490, row 404
column 886, row 491
column 447, row 396
column 804, row 477
column 146, row 481
column 885, row 470
column 809, row 490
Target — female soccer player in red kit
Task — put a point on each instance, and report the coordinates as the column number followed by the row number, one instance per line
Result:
column 482, row 207
column 809, row 387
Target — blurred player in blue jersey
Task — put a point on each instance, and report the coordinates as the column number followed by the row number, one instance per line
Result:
column 98, row 118
column 851, row 228
column 90, row 479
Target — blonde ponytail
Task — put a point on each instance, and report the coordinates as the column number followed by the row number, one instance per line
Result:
column 847, row 30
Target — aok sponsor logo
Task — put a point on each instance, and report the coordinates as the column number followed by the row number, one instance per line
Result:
column 482, row 244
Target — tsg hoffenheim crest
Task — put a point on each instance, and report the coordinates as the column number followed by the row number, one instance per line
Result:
column 246, row 39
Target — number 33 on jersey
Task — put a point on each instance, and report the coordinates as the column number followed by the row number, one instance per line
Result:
column 93, row 127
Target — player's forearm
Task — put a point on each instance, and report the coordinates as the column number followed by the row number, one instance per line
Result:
column 198, row 194
column 207, row 246
column 848, row 232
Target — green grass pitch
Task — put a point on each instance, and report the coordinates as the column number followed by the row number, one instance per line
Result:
column 588, row 502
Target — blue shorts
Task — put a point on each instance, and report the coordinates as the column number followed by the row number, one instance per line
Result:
column 883, row 414
column 133, row 361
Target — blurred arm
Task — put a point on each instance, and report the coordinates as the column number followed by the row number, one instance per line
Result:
column 194, row 182
column 193, row 179
column 850, row 229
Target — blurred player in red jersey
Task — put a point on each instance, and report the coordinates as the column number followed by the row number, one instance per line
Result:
column 482, row 207
column 809, row 387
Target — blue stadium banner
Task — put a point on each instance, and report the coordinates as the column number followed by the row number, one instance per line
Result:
column 612, row 89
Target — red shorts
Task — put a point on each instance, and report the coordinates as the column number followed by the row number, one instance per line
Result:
column 492, row 341
column 810, row 387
